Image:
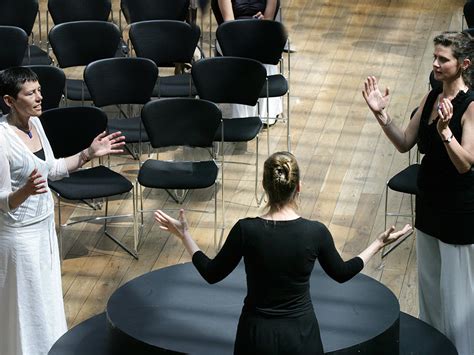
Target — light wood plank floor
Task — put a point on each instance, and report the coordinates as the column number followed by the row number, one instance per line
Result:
column 344, row 157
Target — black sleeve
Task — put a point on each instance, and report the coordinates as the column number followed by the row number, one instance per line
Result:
column 225, row 261
column 332, row 263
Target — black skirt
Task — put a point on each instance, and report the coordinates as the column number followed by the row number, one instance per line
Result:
column 262, row 335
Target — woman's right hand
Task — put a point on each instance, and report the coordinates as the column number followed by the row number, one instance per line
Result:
column 372, row 95
column 178, row 227
column 35, row 184
column 391, row 235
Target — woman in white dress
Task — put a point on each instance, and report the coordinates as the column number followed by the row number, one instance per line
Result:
column 32, row 314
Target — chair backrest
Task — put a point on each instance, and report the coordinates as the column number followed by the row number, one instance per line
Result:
column 20, row 13
column 15, row 42
column 229, row 79
column 181, row 122
column 72, row 129
column 144, row 10
column 260, row 40
column 82, row 42
column 166, row 42
column 73, row 10
column 52, row 81
column 116, row 81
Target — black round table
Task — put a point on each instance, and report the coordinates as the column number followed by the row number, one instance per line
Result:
column 174, row 309
column 201, row 318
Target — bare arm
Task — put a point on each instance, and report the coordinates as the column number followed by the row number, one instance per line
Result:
column 270, row 10
column 460, row 153
column 377, row 103
column 226, row 9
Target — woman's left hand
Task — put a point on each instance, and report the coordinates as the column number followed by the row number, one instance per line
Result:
column 178, row 227
column 105, row 144
column 445, row 113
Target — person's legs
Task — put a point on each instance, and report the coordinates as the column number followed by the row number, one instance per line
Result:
column 457, row 295
column 429, row 273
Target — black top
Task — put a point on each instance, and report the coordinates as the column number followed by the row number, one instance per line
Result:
column 445, row 203
column 40, row 154
column 279, row 257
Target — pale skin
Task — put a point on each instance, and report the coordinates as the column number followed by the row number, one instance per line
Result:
column 179, row 228
column 228, row 14
column 28, row 104
column 447, row 69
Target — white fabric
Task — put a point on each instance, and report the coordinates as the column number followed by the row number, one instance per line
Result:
column 446, row 289
column 31, row 304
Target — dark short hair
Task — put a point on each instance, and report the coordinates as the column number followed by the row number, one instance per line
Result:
column 12, row 79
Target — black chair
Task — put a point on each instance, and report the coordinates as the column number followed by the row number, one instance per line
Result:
column 52, row 80
column 167, row 43
column 145, row 10
column 263, row 41
column 80, row 43
column 405, row 182
column 468, row 12
column 233, row 80
column 123, row 81
column 11, row 55
column 85, row 10
column 184, row 122
column 70, row 130
column 22, row 13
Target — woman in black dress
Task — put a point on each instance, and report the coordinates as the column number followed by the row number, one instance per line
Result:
column 279, row 251
column 443, row 128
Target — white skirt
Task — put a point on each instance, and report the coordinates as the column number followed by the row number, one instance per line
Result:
column 32, row 314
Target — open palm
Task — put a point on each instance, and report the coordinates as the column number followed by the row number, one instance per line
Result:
column 373, row 96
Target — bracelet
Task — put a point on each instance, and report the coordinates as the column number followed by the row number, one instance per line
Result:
column 84, row 157
column 449, row 139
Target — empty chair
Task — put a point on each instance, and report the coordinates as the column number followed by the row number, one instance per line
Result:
column 122, row 81
column 144, row 10
column 183, row 122
column 52, row 80
column 11, row 55
column 85, row 10
column 263, row 41
column 80, row 43
column 22, row 13
column 238, row 81
column 70, row 130
column 167, row 43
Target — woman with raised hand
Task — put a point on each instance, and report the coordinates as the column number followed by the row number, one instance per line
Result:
column 32, row 314
column 443, row 128
column 279, row 250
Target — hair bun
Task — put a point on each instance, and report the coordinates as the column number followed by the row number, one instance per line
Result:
column 281, row 175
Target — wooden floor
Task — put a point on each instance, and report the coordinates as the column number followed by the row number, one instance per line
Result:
column 344, row 158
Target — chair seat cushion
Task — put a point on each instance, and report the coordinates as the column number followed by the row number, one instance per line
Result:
column 74, row 90
column 130, row 128
column 405, row 180
column 239, row 129
column 96, row 182
column 174, row 86
column 177, row 174
column 277, row 86
column 37, row 56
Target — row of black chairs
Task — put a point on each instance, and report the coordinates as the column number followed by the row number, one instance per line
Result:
column 164, row 123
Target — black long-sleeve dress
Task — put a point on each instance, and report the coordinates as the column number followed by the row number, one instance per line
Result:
column 277, row 315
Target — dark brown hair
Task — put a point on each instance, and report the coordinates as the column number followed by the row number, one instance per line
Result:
column 281, row 177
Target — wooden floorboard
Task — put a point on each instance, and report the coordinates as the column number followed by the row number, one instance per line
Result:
column 345, row 159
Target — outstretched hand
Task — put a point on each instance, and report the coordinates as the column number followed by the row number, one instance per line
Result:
column 178, row 227
column 105, row 144
column 373, row 96
column 390, row 235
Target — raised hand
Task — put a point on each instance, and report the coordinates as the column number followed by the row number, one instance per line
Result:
column 178, row 227
column 373, row 96
column 105, row 144
column 35, row 184
column 390, row 235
